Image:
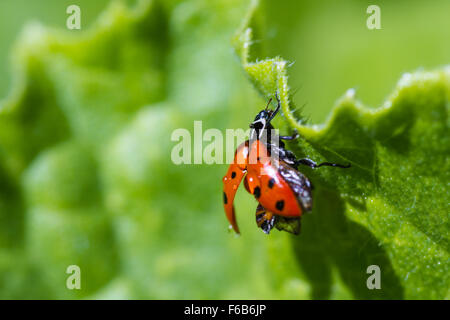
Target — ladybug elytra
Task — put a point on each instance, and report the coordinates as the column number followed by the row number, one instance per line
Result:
column 270, row 173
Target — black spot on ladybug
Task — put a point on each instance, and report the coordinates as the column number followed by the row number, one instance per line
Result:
column 280, row 205
column 271, row 183
column 257, row 192
column 225, row 199
column 233, row 175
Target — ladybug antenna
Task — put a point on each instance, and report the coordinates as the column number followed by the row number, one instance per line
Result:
column 274, row 113
column 268, row 103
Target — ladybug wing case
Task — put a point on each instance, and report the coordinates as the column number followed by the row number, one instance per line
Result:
column 301, row 187
column 232, row 180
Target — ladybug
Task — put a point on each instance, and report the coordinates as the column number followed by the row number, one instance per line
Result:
column 270, row 173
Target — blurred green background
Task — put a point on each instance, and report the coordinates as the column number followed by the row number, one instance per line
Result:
column 85, row 126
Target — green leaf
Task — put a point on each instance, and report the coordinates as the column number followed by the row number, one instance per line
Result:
column 71, row 95
column 391, row 207
column 86, row 176
column 85, row 167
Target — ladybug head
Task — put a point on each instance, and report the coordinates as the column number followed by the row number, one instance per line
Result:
column 263, row 118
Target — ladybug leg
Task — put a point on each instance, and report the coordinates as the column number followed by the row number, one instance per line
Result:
column 312, row 164
column 264, row 219
column 294, row 136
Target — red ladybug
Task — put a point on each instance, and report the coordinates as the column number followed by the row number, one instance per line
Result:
column 270, row 173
